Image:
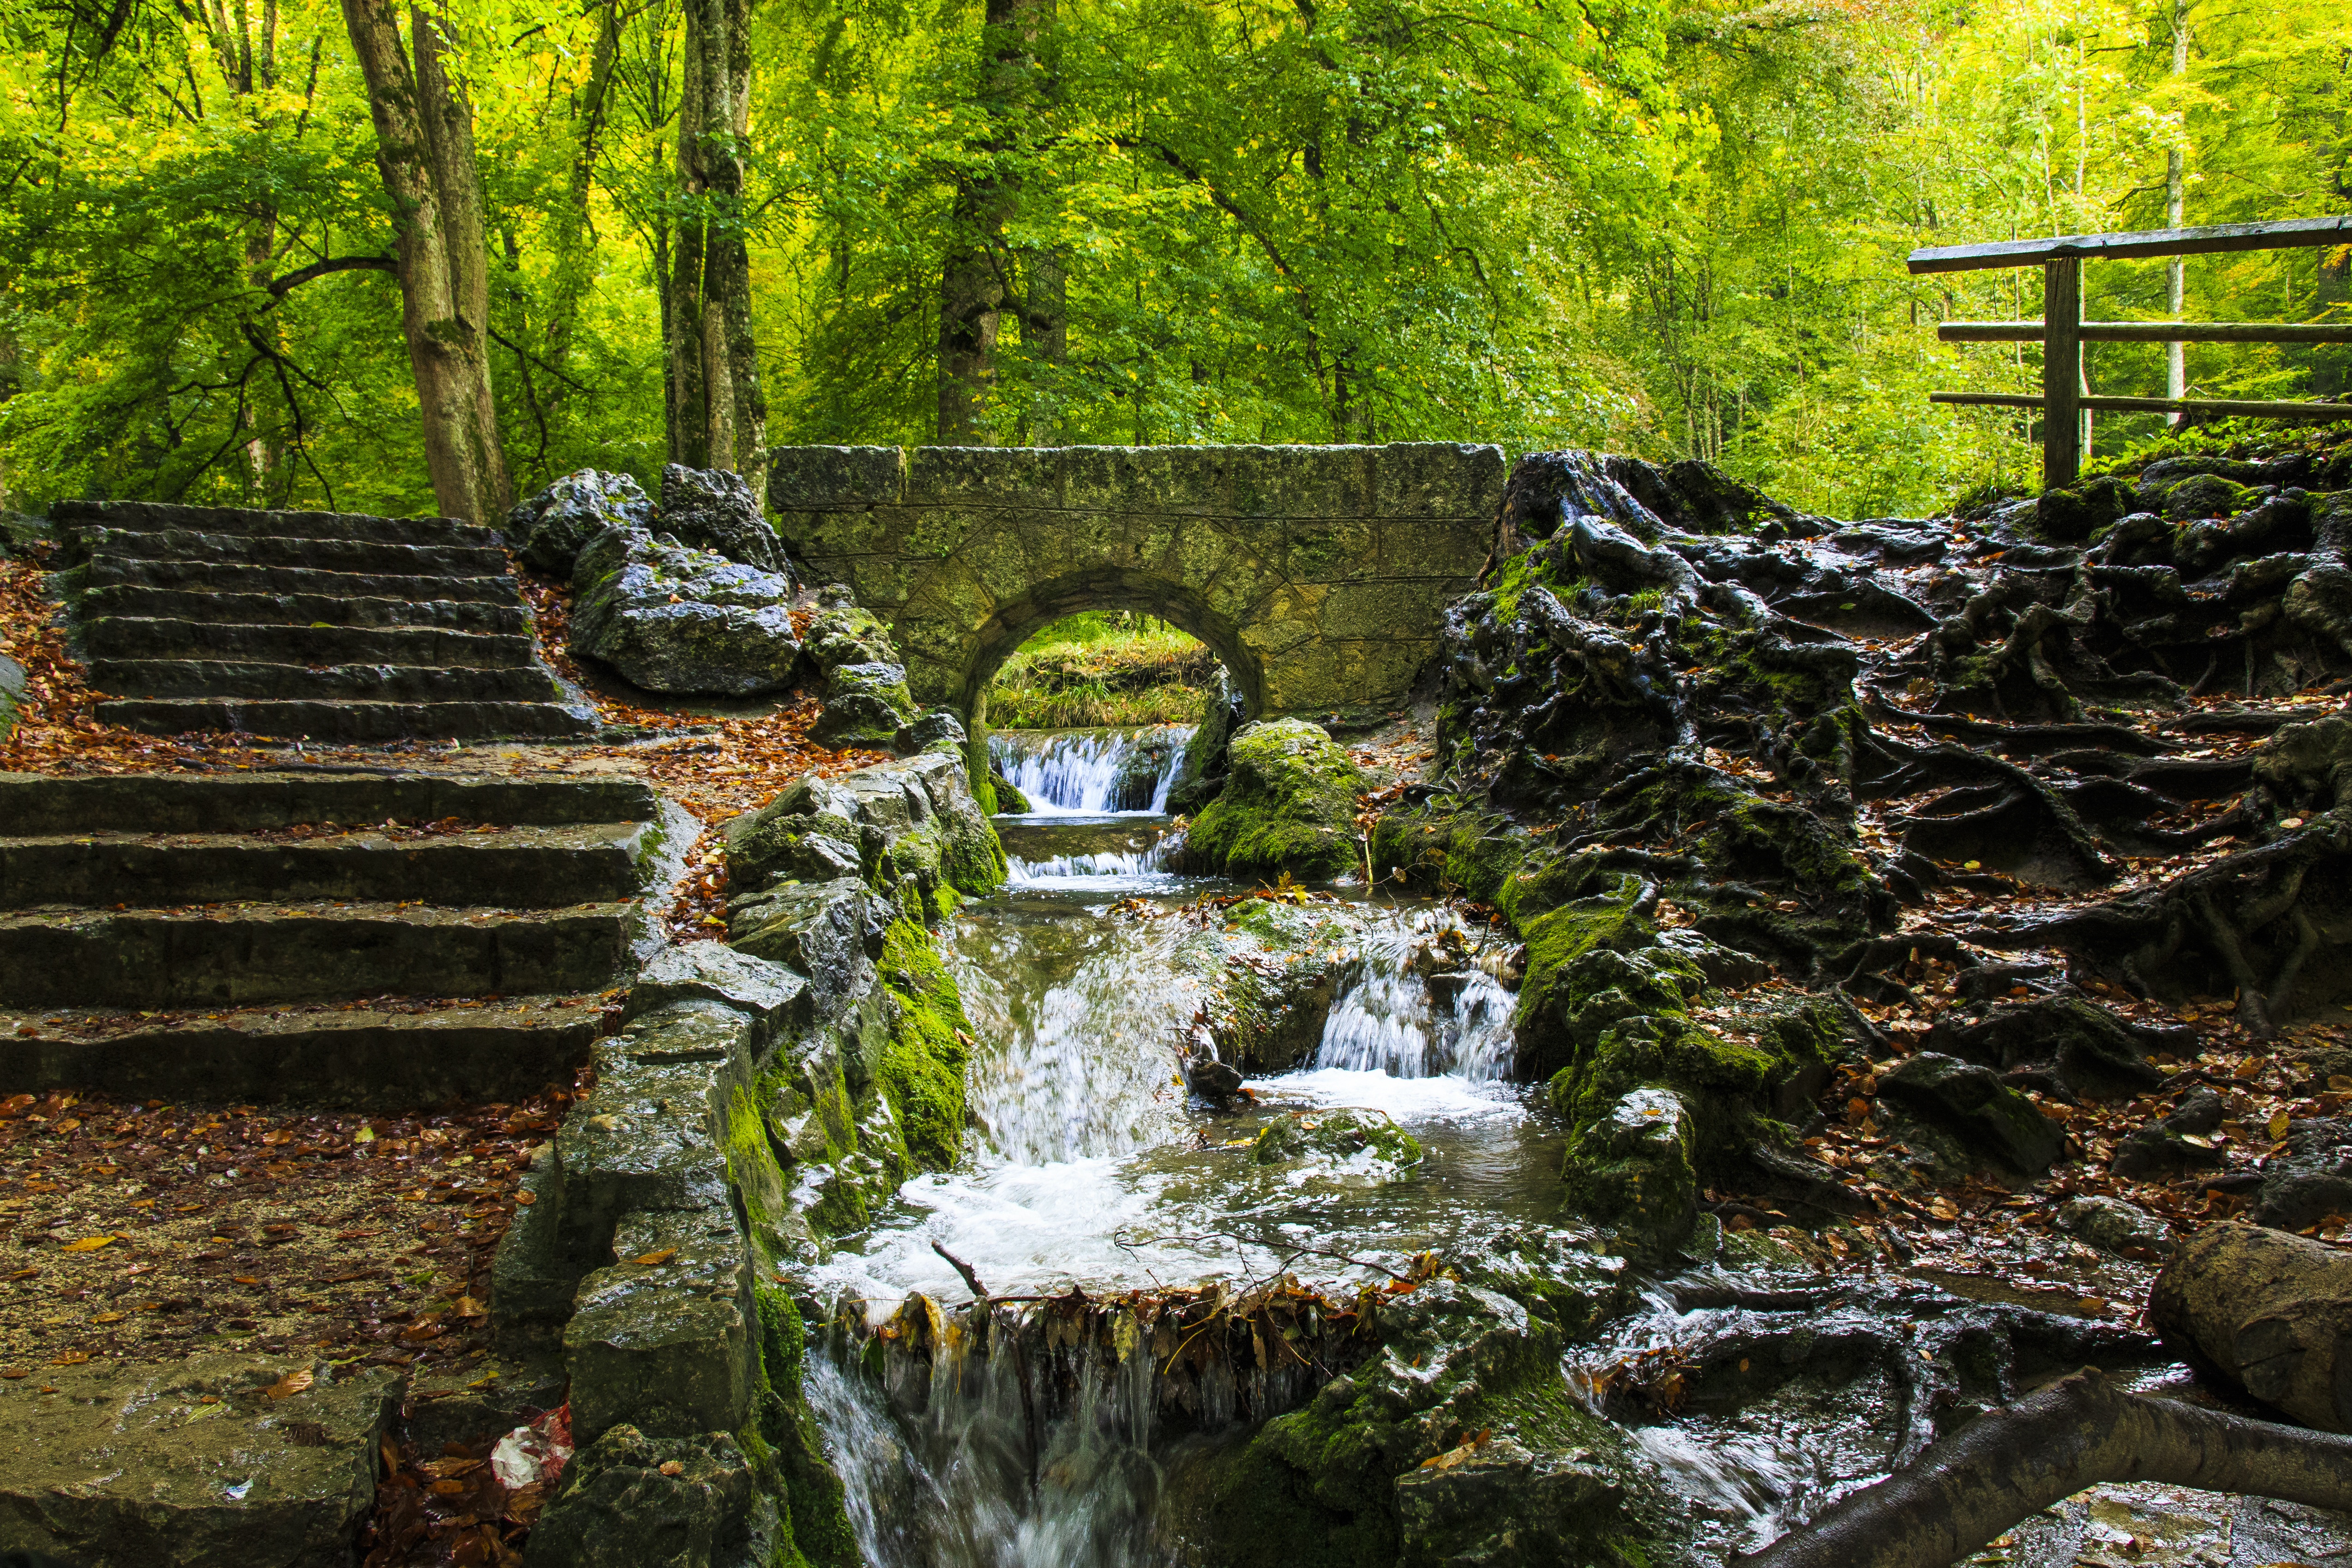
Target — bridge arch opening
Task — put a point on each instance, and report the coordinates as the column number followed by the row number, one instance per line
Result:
column 1016, row 620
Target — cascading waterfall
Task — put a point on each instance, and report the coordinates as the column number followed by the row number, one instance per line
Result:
column 1094, row 1171
column 1091, row 771
column 1420, row 1008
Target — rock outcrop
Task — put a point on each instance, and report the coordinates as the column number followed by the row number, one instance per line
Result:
column 715, row 509
column 550, row 529
column 671, row 619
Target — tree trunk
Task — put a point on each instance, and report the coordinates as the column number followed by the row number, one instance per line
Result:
column 425, row 149
column 719, row 416
column 2081, row 1431
column 973, row 290
column 2268, row 1311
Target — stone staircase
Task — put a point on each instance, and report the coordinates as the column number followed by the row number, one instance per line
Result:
column 367, row 940
column 322, row 626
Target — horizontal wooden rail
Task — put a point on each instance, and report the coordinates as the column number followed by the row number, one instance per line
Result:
column 2325, row 412
column 2153, row 331
column 2275, row 236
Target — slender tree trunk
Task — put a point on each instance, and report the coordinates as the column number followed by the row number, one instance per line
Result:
column 973, row 292
column 574, row 229
column 2176, row 206
column 718, row 413
column 424, row 150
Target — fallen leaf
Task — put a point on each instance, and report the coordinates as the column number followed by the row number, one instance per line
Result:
column 68, row 1358
column 87, row 1244
column 654, row 1259
column 292, row 1383
column 673, row 1468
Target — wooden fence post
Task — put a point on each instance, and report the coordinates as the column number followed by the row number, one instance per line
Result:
column 2062, row 371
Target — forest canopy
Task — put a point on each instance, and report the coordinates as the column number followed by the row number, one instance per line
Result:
column 700, row 228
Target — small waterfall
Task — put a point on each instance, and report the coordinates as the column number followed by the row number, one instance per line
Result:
column 1150, row 862
column 956, row 1480
column 1092, row 772
column 1421, row 1007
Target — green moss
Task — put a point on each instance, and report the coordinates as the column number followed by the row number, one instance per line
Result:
column 787, row 1451
column 1288, row 805
column 1338, row 1134
column 922, row 1065
column 756, row 1174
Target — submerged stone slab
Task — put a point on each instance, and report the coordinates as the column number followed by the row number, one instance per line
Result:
column 191, row 1463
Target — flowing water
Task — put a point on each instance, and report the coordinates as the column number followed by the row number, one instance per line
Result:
column 1091, row 1166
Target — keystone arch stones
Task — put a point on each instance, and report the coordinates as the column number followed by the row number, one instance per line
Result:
column 1319, row 575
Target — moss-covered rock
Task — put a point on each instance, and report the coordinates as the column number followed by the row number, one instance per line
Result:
column 1288, row 806
column 914, row 818
column 1201, row 771
column 1268, row 973
column 1341, row 1134
column 922, row 1065
column 2073, row 516
column 1634, row 1169
column 1456, row 1442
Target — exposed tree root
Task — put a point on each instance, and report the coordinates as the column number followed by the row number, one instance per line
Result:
column 1966, row 1491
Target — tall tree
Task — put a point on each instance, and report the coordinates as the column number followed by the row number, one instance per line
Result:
column 718, row 416
column 978, row 279
column 424, row 148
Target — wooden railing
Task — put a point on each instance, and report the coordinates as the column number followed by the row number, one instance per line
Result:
column 2062, row 333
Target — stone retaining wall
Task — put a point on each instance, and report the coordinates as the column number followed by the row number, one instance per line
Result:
column 1319, row 575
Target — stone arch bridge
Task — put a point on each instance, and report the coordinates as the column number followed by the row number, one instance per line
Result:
column 1319, row 575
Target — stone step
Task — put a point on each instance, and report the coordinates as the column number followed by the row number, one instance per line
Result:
column 39, row 803
column 327, row 554
column 353, row 721
column 226, row 576
column 380, row 1053
column 124, row 636
column 247, row 954
column 539, row 867
column 152, row 517
column 136, row 601
column 323, row 682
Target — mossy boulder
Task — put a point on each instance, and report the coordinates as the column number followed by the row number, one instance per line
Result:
column 1341, row 1134
column 865, row 705
column 1269, row 976
column 1457, row 1441
column 1201, row 771
column 1634, row 1169
column 2071, row 516
column 910, row 819
column 1288, row 805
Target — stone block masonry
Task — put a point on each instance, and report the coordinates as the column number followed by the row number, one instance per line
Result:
column 1319, row 575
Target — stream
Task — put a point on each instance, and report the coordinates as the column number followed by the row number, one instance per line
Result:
column 1091, row 1166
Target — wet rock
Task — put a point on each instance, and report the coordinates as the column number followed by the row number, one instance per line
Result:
column 936, row 730
column 131, row 1467
column 2311, row 1181
column 772, row 995
column 662, row 1339
column 2177, row 1143
column 1454, row 1360
column 912, row 818
column 1009, row 800
column 1554, row 1274
column 2113, row 1225
column 843, row 633
column 1498, row 1502
column 2073, row 516
column 1997, row 1123
column 830, row 933
column 644, row 1139
column 2091, row 1051
column 1200, row 773
column 1269, row 974
column 550, row 529
column 716, row 510
column 632, row 1501
column 1212, row 1079
column 1633, row 1170
column 1338, row 1134
column 864, row 705
column 670, row 619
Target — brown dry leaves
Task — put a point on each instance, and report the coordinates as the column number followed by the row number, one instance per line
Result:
column 245, row 1227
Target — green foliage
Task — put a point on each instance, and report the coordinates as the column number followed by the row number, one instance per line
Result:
column 1102, row 669
column 1669, row 227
